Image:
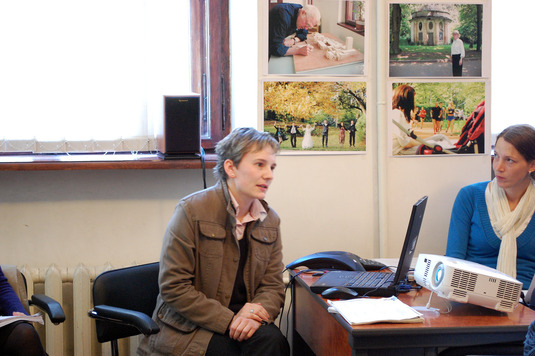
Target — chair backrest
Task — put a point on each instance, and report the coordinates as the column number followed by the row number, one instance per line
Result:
column 18, row 283
column 135, row 288
column 530, row 295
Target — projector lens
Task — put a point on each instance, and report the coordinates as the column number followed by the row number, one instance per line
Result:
column 438, row 274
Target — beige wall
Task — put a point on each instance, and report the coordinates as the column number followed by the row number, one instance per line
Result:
column 325, row 202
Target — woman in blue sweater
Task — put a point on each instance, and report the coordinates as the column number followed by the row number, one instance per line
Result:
column 492, row 223
column 18, row 338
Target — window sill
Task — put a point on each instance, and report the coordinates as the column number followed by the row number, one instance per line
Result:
column 352, row 28
column 91, row 162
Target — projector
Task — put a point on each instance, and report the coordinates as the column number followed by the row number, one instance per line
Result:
column 467, row 282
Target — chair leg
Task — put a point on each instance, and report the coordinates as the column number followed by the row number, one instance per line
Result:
column 114, row 348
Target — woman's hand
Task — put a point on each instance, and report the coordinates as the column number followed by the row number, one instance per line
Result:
column 18, row 314
column 247, row 321
column 254, row 311
column 242, row 328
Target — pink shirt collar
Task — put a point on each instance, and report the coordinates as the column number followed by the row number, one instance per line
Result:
column 256, row 212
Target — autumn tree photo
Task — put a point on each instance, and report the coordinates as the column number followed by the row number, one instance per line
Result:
column 340, row 104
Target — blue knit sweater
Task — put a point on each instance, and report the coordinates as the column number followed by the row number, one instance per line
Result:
column 471, row 236
column 9, row 301
column 282, row 23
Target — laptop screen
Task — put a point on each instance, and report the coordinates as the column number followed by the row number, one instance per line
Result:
column 411, row 239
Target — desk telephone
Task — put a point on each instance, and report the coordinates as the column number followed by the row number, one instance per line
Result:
column 339, row 260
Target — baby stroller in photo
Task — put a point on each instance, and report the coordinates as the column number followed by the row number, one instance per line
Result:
column 426, row 147
column 472, row 138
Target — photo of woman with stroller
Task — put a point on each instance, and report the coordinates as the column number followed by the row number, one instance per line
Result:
column 438, row 118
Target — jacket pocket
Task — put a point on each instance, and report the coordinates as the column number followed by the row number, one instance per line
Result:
column 173, row 318
column 176, row 332
column 211, row 239
column 263, row 240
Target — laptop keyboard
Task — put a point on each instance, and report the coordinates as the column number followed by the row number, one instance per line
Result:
column 370, row 280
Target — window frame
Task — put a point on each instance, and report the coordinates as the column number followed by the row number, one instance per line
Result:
column 215, row 92
column 348, row 22
column 210, row 76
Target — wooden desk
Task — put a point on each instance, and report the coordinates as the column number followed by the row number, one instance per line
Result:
column 328, row 334
column 317, row 60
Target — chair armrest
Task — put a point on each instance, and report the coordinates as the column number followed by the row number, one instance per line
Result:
column 50, row 306
column 139, row 320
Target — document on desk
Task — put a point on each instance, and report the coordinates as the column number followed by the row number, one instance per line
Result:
column 375, row 310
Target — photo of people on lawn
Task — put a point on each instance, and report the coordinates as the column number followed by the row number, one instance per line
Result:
column 436, row 40
column 316, row 116
column 437, row 118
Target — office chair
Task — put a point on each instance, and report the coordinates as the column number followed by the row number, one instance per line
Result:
column 124, row 300
column 530, row 295
column 50, row 306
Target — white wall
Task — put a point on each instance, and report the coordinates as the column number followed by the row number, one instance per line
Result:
column 90, row 217
column 331, row 14
column 438, row 177
column 325, row 202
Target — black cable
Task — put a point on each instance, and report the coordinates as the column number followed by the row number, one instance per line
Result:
column 203, row 167
column 292, row 279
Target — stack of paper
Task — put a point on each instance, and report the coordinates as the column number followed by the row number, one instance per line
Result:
column 372, row 310
column 35, row 318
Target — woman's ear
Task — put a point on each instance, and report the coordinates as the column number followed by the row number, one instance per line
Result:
column 531, row 167
column 229, row 168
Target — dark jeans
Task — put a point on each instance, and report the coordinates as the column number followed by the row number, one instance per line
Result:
column 529, row 344
column 324, row 140
column 266, row 341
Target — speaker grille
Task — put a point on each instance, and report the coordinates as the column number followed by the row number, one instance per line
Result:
column 180, row 131
column 426, row 271
column 459, row 293
column 506, row 304
column 464, row 280
column 508, row 291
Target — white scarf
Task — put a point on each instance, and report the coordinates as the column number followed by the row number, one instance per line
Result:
column 507, row 224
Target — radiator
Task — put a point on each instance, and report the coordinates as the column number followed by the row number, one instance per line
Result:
column 71, row 287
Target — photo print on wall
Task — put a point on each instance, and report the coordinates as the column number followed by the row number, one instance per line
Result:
column 436, row 40
column 437, row 118
column 326, row 38
column 316, row 115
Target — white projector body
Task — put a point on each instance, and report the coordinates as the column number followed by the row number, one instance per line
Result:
column 467, row 282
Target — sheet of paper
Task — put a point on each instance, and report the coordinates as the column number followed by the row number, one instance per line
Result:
column 35, row 318
column 375, row 310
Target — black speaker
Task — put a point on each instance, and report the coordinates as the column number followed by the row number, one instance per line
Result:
column 179, row 135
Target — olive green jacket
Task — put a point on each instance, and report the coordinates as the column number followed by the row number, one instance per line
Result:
column 198, row 266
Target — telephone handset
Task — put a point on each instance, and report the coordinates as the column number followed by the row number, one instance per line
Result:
column 339, row 260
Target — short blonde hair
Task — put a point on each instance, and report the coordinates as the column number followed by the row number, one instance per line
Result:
column 239, row 142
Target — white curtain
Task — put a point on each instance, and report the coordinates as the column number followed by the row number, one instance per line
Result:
column 85, row 76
